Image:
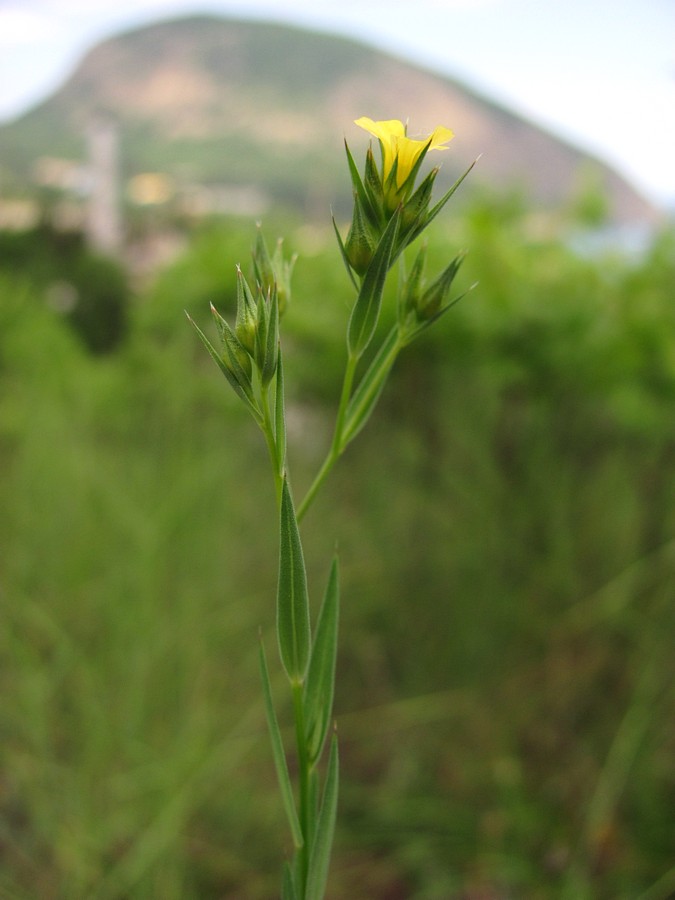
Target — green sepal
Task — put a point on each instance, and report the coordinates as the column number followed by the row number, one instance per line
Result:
column 412, row 286
column 247, row 314
column 267, row 349
column 319, row 858
column 439, row 206
column 366, row 311
column 278, row 754
column 433, row 299
column 391, row 193
column 343, row 253
column 293, row 628
column 283, row 271
column 415, row 211
column 235, row 355
column 236, row 378
column 361, row 242
column 408, row 336
column 320, row 681
column 370, row 209
column 262, row 263
column 409, row 183
column 365, row 397
column 373, row 185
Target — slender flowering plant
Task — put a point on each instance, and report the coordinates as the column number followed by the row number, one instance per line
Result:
column 392, row 207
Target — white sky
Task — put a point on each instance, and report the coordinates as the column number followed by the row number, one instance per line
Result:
column 600, row 73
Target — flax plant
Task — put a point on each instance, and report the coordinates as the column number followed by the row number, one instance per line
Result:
column 392, row 208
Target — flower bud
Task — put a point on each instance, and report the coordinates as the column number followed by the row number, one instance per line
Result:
column 412, row 288
column 247, row 314
column 361, row 243
column 434, row 298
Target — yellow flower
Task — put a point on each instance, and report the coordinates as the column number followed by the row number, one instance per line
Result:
column 396, row 145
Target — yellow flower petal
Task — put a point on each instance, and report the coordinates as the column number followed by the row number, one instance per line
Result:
column 395, row 144
column 439, row 136
column 384, row 131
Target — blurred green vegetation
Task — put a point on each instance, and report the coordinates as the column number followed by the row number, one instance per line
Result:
column 506, row 527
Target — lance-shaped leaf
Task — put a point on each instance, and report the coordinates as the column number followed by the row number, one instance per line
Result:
column 367, row 394
column 320, row 682
column 278, row 754
column 293, row 630
column 366, row 312
column 319, row 859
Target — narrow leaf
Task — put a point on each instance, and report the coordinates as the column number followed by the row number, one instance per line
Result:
column 365, row 314
column 319, row 859
column 293, row 630
column 368, row 392
column 320, row 683
column 279, row 755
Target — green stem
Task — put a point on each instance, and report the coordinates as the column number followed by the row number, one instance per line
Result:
column 337, row 445
column 304, row 774
column 267, row 427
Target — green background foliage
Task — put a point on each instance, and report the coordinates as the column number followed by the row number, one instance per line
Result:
column 506, row 530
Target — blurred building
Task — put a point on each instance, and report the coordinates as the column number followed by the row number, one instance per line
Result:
column 103, row 223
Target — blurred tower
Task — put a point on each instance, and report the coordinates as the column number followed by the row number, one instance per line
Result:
column 103, row 222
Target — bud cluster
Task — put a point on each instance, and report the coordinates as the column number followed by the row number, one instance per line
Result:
column 249, row 354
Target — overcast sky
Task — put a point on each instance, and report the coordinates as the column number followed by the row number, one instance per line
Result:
column 600, row 73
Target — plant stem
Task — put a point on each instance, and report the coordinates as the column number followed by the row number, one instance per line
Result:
column 267, row 427
column 337, row 445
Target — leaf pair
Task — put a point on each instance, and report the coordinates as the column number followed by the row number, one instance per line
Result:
column 310, row 668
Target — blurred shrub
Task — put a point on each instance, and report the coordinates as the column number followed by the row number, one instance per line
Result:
column 91, row 291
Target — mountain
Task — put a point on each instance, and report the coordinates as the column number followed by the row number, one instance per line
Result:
column 216, row 102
